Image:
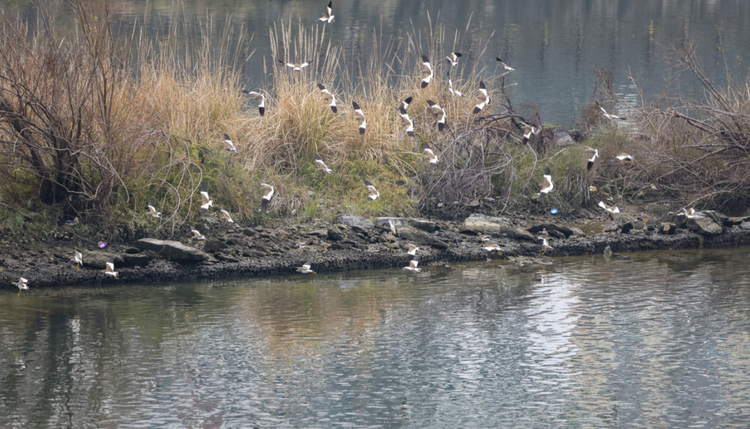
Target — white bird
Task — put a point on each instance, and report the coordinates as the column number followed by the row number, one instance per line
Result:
column 268, row 192
column 688, row 212
column 543, row 241
column 22, row 284
column 197, row 234
column 592, row 154
column 297, row 67
column 152, row 211
column 484, row 98
column 228, row 145
column 76, row 260
column 430, row 155
column 453, row 58
column 426, row 69
column 225, row 215
column 322, row 165
column 260, row 97
column 328, row 96
column 328, row 14
column 437, row 110
column 547, row 185
column 110, row 269
column 405, row 104
column 413, row 265
column 205, row 201
column 624, row 157
column 360, row 117
column 454, row 92
column 392, row 227
column 528, row 130
column 608, row 115
column 611, row 210
column 372, row 193
column 412, row 250
column 305, row 269
column 505, row 66
column 490, row 248
column 406, row 120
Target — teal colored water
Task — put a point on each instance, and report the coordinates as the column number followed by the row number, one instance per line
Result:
column 655, row 339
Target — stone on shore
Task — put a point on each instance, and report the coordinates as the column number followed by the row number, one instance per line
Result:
column 98, row 259
column 173, row 250
column 354, row 221
column 421, row 237
column 554, row 230
column 423, row 224
column 398, row 222
column 479, row 223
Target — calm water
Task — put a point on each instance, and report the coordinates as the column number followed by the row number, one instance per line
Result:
column 653, row 340
column 556, row 46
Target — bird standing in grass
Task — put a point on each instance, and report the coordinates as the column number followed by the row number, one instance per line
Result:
column 225, row 215
column 206, row 202
column 196, row 234
column 505, row 66
column 609, row 115
column 426, row 69
column 430, row 155
column 110, row 269
column 413, row 265
column 268, row 192
column 22, row 284
column 592, row 155
column 437, row 110
column 297, row 67
column 328, row 14
column 260, row 97
column 152, row 211
column 372, row 193
column 322, row 165
column 306, row 269
column 484, row 98
column 454, row 92
column 360, row 117
column 328, row 96
column 76, row 260
column 228, row 145
column 453, row 58
column 547, row 185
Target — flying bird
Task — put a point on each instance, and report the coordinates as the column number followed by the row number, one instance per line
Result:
column 528, row 130
column 405, row 104
column 268, row 192
column 225, row 215
column 454, row 92
column 305, row 269
column 372, row 193
column 260, row 97
column 328, row 96
column 406, row 120
column 505, row 66
column 322, row 165
column 624, row 157
column 453, row 58
column 205, row 201
column 547, row 185
column 360, row 117
column 76, row 260
column 437, row 110
column 483, row 97
column 608, row 115
column 297, row 67
column 430, row 155
column 412, row 250
column 228, row 145
column 152, row 211
column 426, row 69
column 611, row 210
column 490, row 248
column 196, row 234
column 592, row 154
column 484, row 238
column 328, row 14
column 542, row 240
column 22, row 284
column 689, row 213
column 110, row 269
column 413, row 265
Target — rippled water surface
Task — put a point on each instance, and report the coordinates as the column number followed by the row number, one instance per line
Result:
column 653, row 340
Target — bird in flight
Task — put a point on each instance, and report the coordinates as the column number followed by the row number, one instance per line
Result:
column 322, row 165
column 454, row 92
column 547, row 185
column 430, row 155
column 152, row 211
column 609, row 115
column 205, row 201
column 228, row 145
column 453, row 58
column 328, row 96
column 360, row 117
column 413, row 265
column 372, row 193
column 268, row 192
column 505, row 66
column 328, row 14
column 484, row 98
column 437, row 110
column 297, row 67
column 260, row 97
column 426, row 69
column 592, row 154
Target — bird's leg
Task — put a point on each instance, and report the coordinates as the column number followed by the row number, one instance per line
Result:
column 543, row 251
column 19, row 292
column 78, row 267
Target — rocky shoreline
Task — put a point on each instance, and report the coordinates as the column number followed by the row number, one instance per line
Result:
column 353, row 243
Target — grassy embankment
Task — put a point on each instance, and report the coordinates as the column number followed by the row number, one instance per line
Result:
column 93, row 131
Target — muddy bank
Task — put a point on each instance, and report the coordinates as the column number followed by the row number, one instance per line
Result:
column 351, row 243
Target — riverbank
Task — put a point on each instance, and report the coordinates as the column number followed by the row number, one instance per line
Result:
column 352, row 243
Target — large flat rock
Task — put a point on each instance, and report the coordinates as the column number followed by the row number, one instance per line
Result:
column 173, row 250
column 483, row 224
column 354, row 221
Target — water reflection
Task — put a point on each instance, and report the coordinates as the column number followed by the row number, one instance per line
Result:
column 657, row 339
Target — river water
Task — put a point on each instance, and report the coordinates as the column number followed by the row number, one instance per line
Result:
column 659, row 339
